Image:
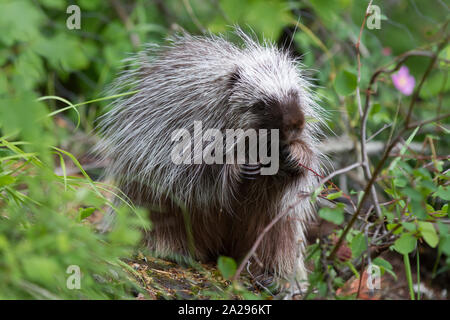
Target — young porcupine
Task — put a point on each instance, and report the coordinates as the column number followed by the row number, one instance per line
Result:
column 221, row 207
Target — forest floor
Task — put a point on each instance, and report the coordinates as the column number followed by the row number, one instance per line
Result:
column 163, row 279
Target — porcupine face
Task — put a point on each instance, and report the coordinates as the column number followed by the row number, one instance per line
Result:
column 269, row 96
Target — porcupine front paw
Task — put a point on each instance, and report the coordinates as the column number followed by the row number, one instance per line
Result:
column 250, row 171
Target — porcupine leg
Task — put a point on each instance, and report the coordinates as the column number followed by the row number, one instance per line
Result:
column 278, row 249
column 177, row 234
column 168, row 235
column 180, row 236
column 168, row 238
column 278, row 255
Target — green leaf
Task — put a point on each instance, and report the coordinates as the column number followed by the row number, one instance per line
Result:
column 382, row 263
column 265, row 17
column 83, row 213
column 391, row 226
column 402, row 152
column 316, row 193
column 5, row 180
column 409, row 226
column 400, row 182
column 334, row 215
column 62, row 52
column 405, row 244
column 41, row 269
column 444, row 230
column 428, row 233
column 385, row 266
column 435, row 83
column 26, row 117
column 335, row 195
column 250, row 296
column 443, row 193
column 413, row 194
column 20, row 21
column 227, row 267
column 345, row 83
column 418, row 210
column 445, row 245
column 358, row 245
column 54, row 4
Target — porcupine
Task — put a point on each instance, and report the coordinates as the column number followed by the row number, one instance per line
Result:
column 207, row 210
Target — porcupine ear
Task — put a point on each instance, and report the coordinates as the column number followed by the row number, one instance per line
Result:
column 234, row 78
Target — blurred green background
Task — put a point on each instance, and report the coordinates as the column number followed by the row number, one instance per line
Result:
column 42, row 227
column 40, row 56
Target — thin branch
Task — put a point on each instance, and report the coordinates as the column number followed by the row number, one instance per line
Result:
column 358, row 57
column 121, row 12
column 427, row 72
column 190, row 11
column 387, row 125
column 389, row 148
column 261, row 236
column 424, row 122
column 340, row 171
column 364, row 115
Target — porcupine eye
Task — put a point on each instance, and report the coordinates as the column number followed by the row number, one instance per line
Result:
column 259, row 106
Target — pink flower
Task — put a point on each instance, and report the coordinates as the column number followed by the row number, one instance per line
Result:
column 403, row 81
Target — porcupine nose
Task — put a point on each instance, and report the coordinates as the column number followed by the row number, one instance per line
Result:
column 293, row 122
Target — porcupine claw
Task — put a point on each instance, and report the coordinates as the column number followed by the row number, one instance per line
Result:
column 250, row 171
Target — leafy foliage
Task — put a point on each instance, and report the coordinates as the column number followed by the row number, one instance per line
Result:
column 48, row 72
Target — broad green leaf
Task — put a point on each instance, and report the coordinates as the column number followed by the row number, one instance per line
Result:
column 435, row 83
column 418, row 210
column 83, row 213
column 265, row 17
column 5, row 180
column 335, row 195
column 54, row 4
column 413, row 194
column 20, row 21
column 445, row 245
column 409, row 226
column 316, row 193
column 227, row 267
column 428, row 233
column 345, row 83
column 41, row 269
column 443, row 193
column 334, row 215
column 62, row 52
column 358, row 245
column 400, row 182
column 392, row 226
column 405, row 244
column 384, row 266
column 382, row 263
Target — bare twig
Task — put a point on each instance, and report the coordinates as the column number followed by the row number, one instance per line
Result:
column 358, row 57
column 364, row 115
column 338, row 172
column 387, row 125
column 422, row 123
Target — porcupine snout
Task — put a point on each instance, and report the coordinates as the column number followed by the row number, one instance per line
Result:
column 292, row 119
